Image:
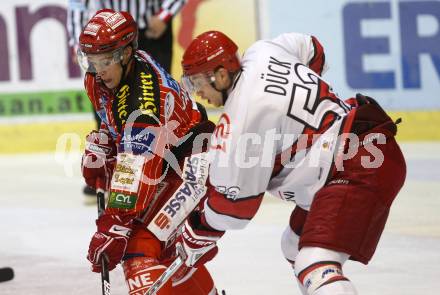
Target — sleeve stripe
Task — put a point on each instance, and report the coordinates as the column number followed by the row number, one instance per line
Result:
column 222, row 222
column 164, row 15
column 318, row 61
column 239, row 209
column 170, row 8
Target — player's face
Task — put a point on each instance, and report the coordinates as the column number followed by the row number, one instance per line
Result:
column 209, row 93
column 205, row 85
column 107, row 69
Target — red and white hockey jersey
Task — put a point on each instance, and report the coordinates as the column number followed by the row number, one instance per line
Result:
column 278, row 132
column 146, row 115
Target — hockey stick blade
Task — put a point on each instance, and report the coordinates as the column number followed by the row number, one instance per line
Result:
column 6, row 274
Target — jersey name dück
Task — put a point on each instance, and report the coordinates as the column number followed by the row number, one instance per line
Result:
column 277, row 76
column 278, row 106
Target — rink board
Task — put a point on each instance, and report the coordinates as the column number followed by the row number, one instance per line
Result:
column 27, row 137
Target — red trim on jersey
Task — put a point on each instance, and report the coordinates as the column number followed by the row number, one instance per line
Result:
column 277, row 166
column 177, row 116
column 334, row 279
column 90, row 86
column 309, row 134
column 240, row 208
column 183, row 111
column 318, row 60
column 352, row 101
column 221, row 133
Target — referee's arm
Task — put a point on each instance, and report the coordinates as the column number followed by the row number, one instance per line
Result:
column 170, row 8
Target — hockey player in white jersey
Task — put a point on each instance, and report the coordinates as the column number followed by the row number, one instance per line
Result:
column 284, row 131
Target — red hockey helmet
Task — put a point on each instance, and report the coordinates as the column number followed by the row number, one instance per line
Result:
column 107, row 31
column 208, row 51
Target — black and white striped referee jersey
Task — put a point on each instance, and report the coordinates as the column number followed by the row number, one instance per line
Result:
column 80, row 11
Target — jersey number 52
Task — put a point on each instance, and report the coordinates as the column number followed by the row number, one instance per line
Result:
column 312, row 101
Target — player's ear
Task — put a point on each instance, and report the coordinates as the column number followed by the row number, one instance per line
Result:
column 222, row 75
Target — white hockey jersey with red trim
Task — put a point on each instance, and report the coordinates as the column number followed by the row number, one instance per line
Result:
column 278, row 131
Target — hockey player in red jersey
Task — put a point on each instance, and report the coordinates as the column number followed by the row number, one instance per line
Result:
column 143, row 153
column 284, row 131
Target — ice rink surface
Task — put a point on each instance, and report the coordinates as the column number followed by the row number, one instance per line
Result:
column 45, row 229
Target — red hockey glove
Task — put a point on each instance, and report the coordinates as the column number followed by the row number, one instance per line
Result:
column 99, row 158
column 197, row 244
column 110, row 240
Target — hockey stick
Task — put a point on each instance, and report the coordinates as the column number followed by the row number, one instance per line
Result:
column 170, row 271
column 165, row 276
column 105, row 275
column 6, row 274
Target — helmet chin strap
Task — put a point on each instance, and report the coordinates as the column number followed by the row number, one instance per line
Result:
column 124, row 69
column 223, row 92
column 224, row 95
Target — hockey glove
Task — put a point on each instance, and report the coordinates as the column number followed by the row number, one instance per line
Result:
column 99, row 158
column 110, row 240
column 197, row 243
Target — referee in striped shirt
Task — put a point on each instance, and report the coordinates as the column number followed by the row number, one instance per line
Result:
column 152, row 16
